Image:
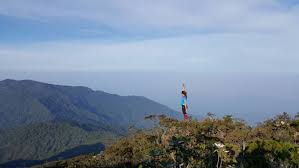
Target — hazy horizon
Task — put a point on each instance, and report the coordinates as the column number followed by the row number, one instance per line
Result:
column 252, row 97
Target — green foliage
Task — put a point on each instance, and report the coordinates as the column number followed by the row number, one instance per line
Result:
column 29, row 109
column 211, row 142
column 41, row 141
column 270, row 153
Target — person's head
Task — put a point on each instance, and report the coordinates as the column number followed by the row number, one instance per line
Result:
column 184, row 93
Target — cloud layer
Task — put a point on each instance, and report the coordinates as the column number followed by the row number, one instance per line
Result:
column 203, row 53
column 205, row 35
column 168, row 15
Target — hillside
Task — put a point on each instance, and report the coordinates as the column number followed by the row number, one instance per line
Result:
column 35, row 142
column 212, row 142
column 40, row 121
column 27, row 102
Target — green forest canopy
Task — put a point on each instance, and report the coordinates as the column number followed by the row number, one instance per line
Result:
column 211, row 142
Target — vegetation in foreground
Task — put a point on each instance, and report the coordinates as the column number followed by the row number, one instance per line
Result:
column 211, row 142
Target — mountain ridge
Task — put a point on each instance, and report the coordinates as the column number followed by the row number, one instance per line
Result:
column 41, row 109
column 76, row 103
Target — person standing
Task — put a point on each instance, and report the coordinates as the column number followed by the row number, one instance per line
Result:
column 184, row 102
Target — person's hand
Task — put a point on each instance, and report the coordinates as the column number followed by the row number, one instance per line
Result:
column 184, row 87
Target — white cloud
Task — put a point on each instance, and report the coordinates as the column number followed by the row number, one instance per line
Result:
column 201, row 53
column 166, row 16
column 236, row 35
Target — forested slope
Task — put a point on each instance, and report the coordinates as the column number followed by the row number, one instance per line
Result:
column 212, row 142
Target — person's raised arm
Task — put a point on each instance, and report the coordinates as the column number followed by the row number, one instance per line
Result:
column 184, row 87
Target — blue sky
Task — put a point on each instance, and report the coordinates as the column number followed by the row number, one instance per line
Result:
column 229, row 52
column 232, row 35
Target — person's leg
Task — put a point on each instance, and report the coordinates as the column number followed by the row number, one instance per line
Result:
column 184, row 112
column 186, row 116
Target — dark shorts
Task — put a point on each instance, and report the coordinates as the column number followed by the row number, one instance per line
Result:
column 184, row 109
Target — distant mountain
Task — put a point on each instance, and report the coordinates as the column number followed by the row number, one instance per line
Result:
column 39, row 120
column 26, row 102
column 46, row 140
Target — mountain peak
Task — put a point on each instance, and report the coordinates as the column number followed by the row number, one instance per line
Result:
column 7, row 80
column 13, row 81
column 75, row 103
